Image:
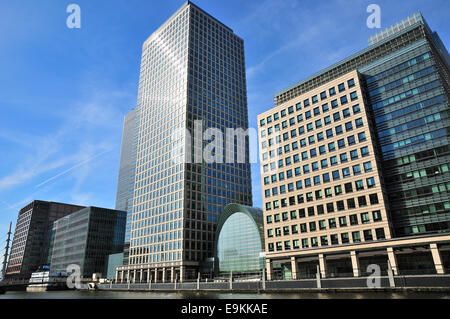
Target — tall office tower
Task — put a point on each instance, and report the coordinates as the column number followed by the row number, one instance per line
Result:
column 193, row 78
column 358, row 155
column 127, row 169
column 32, row 236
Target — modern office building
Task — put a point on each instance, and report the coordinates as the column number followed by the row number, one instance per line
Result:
column 127, row 169
column 355, row 162
column 239, row 240
column 192, row 78
column 32, row 236
column 86, row 238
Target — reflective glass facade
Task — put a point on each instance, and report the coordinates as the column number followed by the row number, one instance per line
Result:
column 127, row 169
column 240, row 240
column 86, row 238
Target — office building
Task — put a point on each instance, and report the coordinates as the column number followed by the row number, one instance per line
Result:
column 354, row 162
column 32, row 236
column 239, row 241
column 86, row 238
column 127, row 169
column 192, row 78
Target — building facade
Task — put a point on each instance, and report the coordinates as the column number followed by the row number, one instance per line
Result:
column 86, row 238
column 32, row 236
column 127, row 169
column 354, row 162
column 239, row 240
column 192, row 78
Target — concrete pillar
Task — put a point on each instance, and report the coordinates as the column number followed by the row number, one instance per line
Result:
column 164, row 275
column 134, row 276
column 355, row 264
column 322, row 266
column 294, row 268
column 128, row 275
column 156, row 275
column 269, row 269
column 437, row 259
column 122, row 275
column 392, row 260
column 172, row 274
column 117, row 275
column 148, row 275
column 181, row 273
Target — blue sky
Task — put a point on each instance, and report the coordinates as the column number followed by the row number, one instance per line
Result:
column 64, row 92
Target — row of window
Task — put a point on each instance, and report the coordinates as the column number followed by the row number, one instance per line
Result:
column 327, row 240
column 318, row 123
column 320, row 209
column 314, row 100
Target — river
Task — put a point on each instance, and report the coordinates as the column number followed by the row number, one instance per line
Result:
column 214, row 295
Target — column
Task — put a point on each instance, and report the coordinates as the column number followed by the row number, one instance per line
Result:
column 148, row 275
column 156, row 275
column 128, row 275
column 164, row 275
column 392, row 260
column 142, row 275
column 172, row 274
column 134, row 276
column 122, row 275
column 269, row 269
column 294, row 268
column 355, row 263
column 117, row 275
column 181, row 273
column 322, row 266
column 437, row 259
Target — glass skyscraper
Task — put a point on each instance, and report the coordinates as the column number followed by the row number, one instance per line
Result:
column 192, row 75
column 127, row 168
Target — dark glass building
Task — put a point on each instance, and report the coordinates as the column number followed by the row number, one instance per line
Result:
column 239, row 240
column 86, row 238
column 33, row 234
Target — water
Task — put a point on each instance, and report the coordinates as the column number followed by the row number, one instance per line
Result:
column 217, row 295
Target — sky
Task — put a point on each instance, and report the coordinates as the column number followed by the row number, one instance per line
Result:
column 64, row 92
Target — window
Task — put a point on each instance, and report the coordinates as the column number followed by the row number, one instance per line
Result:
column 368, row 235
column 357, row 170
column 343, row 158
column 374, row 199
column 348, row 126
column 325, row 108
column 332, row 223
column 293, row 214
column 334, row 104
column 348, row 188
column 346, row 113
column 298, row 106
column 306, row 103
column 324, row 241
column 356, row 237
column 312, row 227
column 331, row 147
column 359, row 185
column 380, row 233
column 367, row 167
column 339, row 130
column 359, row 123
column 370, row 182
column 336, row 176
column 315, row 99
column 364, row 151
column 291, row 110
column 344, row 238
column 262, row 122
column 323, row 95
column 362, row 201
column 351, row 140
column 362, row 137
column 344, row 100
column 346, row 172
column 351, row 83
column 330, row 208
column 353, row 96
column 316, row 111
column 332, row 91
column 341, row 143
column 334, row 239
column 353, row 220
column 283, row 113
column 377, row 216
column 354, row 155
column 296, row 244
column 337, row 116
column 341, row 87
column 343, row 221
column 356, row 109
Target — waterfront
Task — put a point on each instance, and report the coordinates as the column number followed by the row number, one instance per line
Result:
column 218, row 295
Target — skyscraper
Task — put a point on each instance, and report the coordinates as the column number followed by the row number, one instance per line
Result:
column 192, row 78
column 127, row 169
column 355, row 161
